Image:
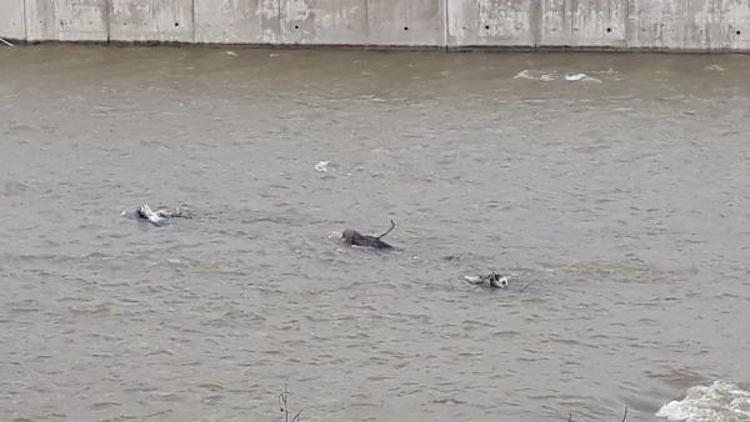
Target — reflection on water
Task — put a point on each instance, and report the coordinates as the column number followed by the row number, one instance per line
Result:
column 619, row 206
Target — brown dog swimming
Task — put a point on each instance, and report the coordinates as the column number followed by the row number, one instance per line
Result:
column 355, row 238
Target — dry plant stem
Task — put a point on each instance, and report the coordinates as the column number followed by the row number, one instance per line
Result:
column 283, row 404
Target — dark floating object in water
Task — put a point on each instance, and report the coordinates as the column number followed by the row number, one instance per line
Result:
column 355, row 238
column 160, row 216
column 492, row 280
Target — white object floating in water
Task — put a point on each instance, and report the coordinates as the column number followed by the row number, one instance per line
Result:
column 231, row 53
column 575, row 77
column 580, row 77
column 714, row 68
column 537, row 75
column 322, row 166
column 524, row 74
column 534, row 75
column 156, row 218
column 720, row 401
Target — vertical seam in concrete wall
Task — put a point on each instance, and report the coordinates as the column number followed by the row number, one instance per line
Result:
column 108, row 17
column 630, row 30
column 192, row 16
column 25, row 24
column 446, row 18
column 535, row 22
column 279, row 39
column 367, row 22
column 685, row 24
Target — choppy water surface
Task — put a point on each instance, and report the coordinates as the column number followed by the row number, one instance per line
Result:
column 621, row 205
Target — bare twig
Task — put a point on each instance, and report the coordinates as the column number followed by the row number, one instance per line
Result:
column 283, row 405
column 393, row 226
column 6, row 42
column 296, row 417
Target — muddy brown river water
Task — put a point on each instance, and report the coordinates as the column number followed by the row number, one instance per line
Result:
column 619, row 201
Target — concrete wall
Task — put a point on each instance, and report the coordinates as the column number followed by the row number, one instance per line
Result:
column 66, row 20
column 623, row 24
column 12, row 21
column 151, row 20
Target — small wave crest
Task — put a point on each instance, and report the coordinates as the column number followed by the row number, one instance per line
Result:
column 538, row 75
column 719, row 402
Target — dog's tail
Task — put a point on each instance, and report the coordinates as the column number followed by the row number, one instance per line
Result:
column 393, row 226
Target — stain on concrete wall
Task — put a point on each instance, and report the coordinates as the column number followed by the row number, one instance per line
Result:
column 151, row 20
column 237, row 21
column 490, row 22
column 66, row 20
column 323, row 22
column 694, row 24
column 12, row 23
column 657, row 24
column 583, row 23
column 724, row 24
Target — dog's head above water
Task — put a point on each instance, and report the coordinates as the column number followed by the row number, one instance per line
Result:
column 497, row 281
column 491, row 280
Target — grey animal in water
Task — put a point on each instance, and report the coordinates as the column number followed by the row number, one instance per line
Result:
column 355, row 238
column 160, row 216
column 491, row 280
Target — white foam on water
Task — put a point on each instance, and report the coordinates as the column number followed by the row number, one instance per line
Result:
column 546, row 78
column 719, row 402
column 524, row 74
column 534, row 75
column 580, row 77
column 538, row 75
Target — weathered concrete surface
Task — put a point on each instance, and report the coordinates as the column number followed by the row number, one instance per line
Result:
column 66, row 20
column 151, row 20
column 324, row 22
column 12, row 22
column 727, row 24
column 413, row 22
column 491, row 23
column 623, row 24
column 585, row 23
column 237, row 21
column 695, row 24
